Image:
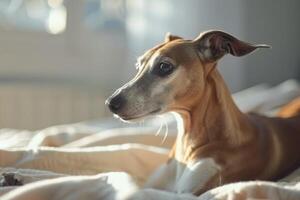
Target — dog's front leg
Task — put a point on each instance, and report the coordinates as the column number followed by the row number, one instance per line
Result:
column 164, row 177
column 196, row 176
column 184, row 178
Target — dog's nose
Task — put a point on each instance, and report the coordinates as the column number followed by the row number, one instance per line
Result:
column 115, row 103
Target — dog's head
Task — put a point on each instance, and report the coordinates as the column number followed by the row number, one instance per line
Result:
column 172, row 75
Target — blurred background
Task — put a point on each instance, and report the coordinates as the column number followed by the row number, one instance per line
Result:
column 60, row 59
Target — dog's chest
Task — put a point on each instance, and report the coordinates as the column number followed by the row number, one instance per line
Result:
column 189, row 176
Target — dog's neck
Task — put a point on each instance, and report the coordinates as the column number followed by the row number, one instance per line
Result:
column 213, row 118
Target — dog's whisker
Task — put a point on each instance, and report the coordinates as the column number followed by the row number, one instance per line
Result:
column 160, row 127
column 166, row 131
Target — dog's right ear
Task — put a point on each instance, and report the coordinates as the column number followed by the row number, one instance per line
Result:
column 213, row 45
column 169, row 37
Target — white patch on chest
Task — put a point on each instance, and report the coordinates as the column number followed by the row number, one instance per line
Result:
column 179, row 141
column 195, row 175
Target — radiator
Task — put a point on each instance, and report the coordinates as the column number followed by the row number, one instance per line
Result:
column 32, row 107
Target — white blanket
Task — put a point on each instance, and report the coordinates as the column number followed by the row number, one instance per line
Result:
column 75, row 162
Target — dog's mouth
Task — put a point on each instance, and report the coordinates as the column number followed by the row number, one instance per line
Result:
column 130, row 118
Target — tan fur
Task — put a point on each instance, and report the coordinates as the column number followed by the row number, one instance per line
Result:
column 247, row 146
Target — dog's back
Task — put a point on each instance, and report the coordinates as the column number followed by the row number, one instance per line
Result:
column 283, row 134
column 292, row 109
column 286, row 127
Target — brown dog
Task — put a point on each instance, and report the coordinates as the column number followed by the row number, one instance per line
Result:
column 216, row 143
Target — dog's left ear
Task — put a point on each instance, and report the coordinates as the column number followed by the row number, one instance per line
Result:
column 213, row 45
column 169, row 37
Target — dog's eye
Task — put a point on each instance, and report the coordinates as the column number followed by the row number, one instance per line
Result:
column 163, row 69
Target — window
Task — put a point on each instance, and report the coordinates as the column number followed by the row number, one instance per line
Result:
column 51, row 15
column 33, row 15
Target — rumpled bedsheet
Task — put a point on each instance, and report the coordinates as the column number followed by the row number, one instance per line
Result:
column 75, row 162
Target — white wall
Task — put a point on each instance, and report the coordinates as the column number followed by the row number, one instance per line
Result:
column 277, row 23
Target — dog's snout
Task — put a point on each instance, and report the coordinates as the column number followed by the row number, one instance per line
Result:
column 115, row 103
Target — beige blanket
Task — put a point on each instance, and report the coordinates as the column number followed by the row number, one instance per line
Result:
column 75, row 162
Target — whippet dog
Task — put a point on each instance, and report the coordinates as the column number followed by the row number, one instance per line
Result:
column 216, row 142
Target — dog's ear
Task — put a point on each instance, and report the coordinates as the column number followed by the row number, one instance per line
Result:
column 169, row 37
column 213, row 45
